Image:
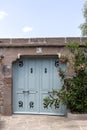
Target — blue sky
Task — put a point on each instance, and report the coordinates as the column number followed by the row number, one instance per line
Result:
column 40, row 18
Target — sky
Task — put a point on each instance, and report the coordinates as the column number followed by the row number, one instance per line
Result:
column 41, row 18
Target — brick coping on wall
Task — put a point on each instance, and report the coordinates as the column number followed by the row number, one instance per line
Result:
column 25, row 42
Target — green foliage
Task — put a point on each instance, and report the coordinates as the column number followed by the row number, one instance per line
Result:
column 75, row 95
column 72, row 46
column 85, row 49
column 83, row 26
column 80, row 58
column 63, row 59
column 61, row 73
column 52, row 100
column 85, row 10
column 74, row 89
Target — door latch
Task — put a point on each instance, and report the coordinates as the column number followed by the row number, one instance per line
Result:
column 26, row 91
column 31, row 104
column 50, row 93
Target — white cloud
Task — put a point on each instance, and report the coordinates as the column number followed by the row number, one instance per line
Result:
column 27, row 29
column 2, row 14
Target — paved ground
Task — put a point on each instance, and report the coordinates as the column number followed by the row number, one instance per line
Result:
column 40, row 122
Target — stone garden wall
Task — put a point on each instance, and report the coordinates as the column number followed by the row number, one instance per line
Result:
column 13, row 49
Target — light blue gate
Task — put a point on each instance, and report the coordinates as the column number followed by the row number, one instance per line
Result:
column 33, row 80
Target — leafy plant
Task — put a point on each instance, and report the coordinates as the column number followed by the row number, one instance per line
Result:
column 61, row 73
column 63, row 59
column 83, row 26
column 72, row 46
column 74, row 90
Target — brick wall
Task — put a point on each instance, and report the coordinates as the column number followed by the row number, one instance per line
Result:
column 12, row 49
column 1, row 88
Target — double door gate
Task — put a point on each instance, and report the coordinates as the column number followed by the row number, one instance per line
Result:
column 33, row 80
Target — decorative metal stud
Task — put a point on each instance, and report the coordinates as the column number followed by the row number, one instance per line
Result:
column 57, row 63
column 31, row 104
column 20, row 104
column 21, row 63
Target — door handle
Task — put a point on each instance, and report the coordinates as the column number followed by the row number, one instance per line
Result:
column 45, row 70
column 49, row 92
column 31, row 70
column 26, row 91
